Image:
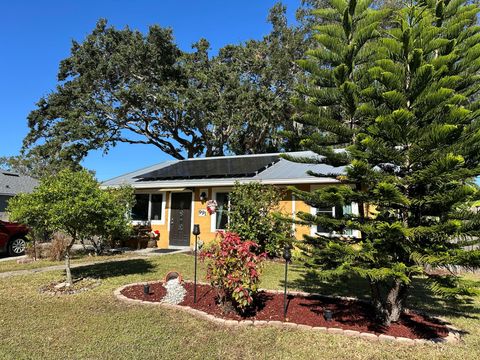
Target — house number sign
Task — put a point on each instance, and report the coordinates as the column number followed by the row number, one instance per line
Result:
column 202, row 212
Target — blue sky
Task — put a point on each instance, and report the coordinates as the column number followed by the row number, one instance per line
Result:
column 36, row 35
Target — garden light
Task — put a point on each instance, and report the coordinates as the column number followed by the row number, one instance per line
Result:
column 287, row 252
column 287, row 255
column 146, row 289
column 327, row 314
column 196, row 232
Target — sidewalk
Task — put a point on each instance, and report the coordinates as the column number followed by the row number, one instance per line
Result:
column 10, row 258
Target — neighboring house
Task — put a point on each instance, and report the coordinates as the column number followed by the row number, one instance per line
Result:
column 174, row 195
column 12, row 184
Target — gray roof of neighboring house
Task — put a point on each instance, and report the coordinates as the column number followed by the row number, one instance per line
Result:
column 12, row 183
column 280, row 172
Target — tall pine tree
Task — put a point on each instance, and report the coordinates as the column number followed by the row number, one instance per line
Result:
column 399, row 93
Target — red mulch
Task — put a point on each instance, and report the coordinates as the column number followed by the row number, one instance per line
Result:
column 157, row 292
column 347, row 315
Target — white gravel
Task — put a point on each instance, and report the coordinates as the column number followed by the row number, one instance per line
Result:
column 175, row 292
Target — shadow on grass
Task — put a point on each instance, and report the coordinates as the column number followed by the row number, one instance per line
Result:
column 114, row 269
column 311, row 282
column 420, row 296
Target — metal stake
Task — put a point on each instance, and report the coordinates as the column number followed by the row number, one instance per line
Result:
column 196, row 232
column 285, row 292
column 195, row 276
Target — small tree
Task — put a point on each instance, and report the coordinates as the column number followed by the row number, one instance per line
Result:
column 109, row 226
column 253, row 216
column 233, row 269
column 73, row 203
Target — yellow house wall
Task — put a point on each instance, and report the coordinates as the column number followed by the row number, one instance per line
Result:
column 206, row 235
column 162, row 242
column 299, row 205
column 204, row 221
column 287, row 205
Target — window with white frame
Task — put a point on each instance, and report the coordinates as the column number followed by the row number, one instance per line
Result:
column 348, row 210
column 149, row 207
column 221, row 213
column 335, row 211
column 156, row 203
column 324, row 211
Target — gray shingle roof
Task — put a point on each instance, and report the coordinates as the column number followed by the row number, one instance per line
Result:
column 12, row 183
column 281, row 172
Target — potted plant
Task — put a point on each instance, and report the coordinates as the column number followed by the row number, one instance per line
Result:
column 154, row 236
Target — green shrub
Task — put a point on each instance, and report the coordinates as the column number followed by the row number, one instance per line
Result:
column 254, row 216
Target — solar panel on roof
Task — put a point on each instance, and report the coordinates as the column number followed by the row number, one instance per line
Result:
column 207, row 168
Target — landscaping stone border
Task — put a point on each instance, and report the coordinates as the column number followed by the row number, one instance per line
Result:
column 454, row 334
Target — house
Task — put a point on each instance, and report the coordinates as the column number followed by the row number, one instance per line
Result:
column 12, row 184
column 174, row 195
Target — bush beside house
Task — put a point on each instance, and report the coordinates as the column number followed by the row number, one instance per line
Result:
column 253, row 216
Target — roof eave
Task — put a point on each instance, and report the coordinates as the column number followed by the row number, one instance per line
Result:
column 148, row 185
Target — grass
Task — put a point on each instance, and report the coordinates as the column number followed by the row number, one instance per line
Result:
column 94, row 324
column 11, row 265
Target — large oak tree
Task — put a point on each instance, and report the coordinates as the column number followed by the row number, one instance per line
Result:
column 125, row 86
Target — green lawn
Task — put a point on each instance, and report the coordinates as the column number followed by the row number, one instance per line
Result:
column 11, row 265
column 94, row 325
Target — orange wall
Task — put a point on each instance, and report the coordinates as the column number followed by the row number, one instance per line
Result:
column 204, row 221
column 301, row 230
column 163, row 240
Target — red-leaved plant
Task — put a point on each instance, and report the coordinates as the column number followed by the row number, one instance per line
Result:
column 233, row 268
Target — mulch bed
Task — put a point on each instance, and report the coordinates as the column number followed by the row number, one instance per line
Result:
column 347, row 314
column 157, row 292
column 78, row 286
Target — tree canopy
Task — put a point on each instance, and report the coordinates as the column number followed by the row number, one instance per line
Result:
column 125, row 86
column 393, row 96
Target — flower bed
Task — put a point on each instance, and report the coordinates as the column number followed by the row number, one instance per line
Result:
column 157, row 292
column 351, row 315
